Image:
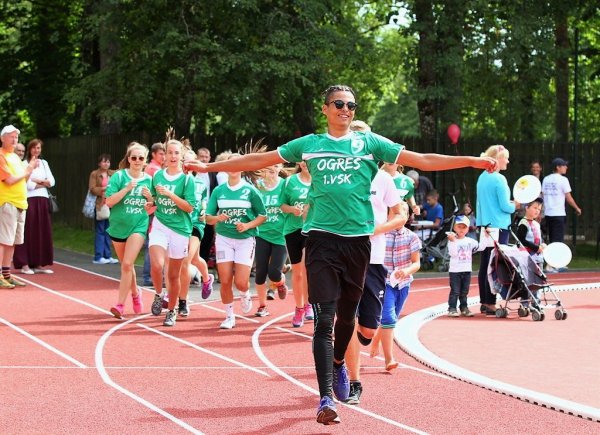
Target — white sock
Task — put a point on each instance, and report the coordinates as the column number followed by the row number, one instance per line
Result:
column 228, row 310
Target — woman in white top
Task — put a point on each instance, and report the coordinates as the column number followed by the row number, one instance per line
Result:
column 37, row 252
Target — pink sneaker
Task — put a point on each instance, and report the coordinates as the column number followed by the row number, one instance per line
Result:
column 117, row 311
column 138, row 304
column 298, row 319
column 308, row 312
column 207, row 287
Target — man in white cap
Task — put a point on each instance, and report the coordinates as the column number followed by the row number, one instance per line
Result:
column 13, row 201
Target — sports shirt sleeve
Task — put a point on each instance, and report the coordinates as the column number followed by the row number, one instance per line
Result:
column 114, row 184
column 384, row 149
column 292, row 151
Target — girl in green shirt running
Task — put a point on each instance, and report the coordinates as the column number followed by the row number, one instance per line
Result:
column 127, row 193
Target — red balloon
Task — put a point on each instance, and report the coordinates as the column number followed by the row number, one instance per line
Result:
column 453, row 133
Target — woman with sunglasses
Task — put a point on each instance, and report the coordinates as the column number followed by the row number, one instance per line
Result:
column 339, row 221
column 127, row 193
column 174, row 196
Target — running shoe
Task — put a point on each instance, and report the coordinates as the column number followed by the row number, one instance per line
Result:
column 117, row 311
column 157, row 305
column 101, row 261
column 138, row 304
column 308, row 312
column 5, row 284
column 112, row 260
column 207, row 287
column 355, row 392
column 270, row 295
column 261, row 312
column 453, row 313
column 170, row 318
column 327, row 414
column 183, row 309
column 228, row 323
column 43, row 271
column 27, row 271
column 466, row 313
column 282, row 289
column 341, row 384
column 298, row 319
column 14, row 281
column 246, row 302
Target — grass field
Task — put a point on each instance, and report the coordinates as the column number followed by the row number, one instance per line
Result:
column 584, row 255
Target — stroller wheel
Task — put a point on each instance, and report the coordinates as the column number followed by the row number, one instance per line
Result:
column 558, row 315
column 536, row 316
column 501, row 313
column 542, row 316
column 523, row 312
column 564, row 315
column 443, row 268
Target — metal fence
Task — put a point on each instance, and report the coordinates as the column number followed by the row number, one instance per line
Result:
column 72, row 159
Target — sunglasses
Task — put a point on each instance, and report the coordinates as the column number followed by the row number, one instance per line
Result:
column 339, row 104
column 137, row 158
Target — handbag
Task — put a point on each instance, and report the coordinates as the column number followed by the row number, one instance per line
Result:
column 102, row 213
column 89, row 205
column 52, row 202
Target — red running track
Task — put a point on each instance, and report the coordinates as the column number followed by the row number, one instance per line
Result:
column 67, row 366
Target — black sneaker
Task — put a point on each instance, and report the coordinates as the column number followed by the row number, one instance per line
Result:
column 355, row 392
column 170, row 318
column 182, row 309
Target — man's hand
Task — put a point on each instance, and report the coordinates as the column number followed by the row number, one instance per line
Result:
column 487, row 163
column 194, row 165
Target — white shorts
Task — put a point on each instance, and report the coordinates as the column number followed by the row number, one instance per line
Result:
column 175, row 244
column 12, row 225
column 239, row 251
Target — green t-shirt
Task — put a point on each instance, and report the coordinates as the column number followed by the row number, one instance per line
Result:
column 295, row 192
column 405, row 185
column 342, row 170
column 272, row 229
column 167, row 211
column 128, row 216
column 242, row 203
column 199, row 210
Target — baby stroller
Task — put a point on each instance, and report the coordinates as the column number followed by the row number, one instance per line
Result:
column 513, row 273
column 436, row 246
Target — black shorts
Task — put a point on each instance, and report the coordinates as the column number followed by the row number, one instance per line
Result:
column 295, row 243
column 196, row 233
column 336, row 266
column 118, row 240
column 371, row 302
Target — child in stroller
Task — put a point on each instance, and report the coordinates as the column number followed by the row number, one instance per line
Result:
column 514, row 274
column 435, row 248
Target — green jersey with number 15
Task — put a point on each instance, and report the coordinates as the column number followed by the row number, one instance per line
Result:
column 342, row 170
column 272, row 229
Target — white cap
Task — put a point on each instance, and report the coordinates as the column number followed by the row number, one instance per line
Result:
column 9, row 129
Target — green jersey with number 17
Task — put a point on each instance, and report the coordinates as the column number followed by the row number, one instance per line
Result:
column 342, row 170
column 242, row 203
column 167, row 211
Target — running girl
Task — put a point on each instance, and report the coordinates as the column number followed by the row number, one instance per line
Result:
column 127, row 193
column 270, row 242
column 295, row 195
column 236, row 209
column 175, row 197
column 198, row 224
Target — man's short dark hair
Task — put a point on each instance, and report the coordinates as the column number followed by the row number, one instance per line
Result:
column 336, row 88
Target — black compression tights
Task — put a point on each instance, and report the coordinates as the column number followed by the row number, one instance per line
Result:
column 323, row 351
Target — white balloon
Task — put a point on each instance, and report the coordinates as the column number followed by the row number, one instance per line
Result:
column 526, row 189
column 557, row 255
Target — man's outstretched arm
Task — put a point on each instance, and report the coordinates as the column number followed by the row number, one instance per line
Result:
column 247, row 162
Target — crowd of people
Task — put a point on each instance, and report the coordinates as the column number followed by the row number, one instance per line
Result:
column 351, row 272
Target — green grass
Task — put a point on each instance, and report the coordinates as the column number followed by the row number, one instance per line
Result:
column 584, row 256
column 77, row 240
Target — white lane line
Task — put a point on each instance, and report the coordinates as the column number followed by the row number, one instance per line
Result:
column 276, row 369
column 107, row 379
column 406, row 335
column 43, row 344
column 202, row 349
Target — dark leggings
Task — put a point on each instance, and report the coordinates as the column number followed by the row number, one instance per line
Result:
column 486, row 296
column 323, row 351
column 269, row 259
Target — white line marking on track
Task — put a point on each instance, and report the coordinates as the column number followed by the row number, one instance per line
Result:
column 107, row 379
column 276, row 369
column 201, row 349
column 43, row 343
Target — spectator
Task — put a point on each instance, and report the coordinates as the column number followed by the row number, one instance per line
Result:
column 556, row 189
column 433, row 210
column 460, row 248
column 98, row 183
column 210, row 180
column 13, row 201
column 494, row 209
column 37, row 251
column 535, row 168
column 467, row 211
column 422, row 186
column 20, row 151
